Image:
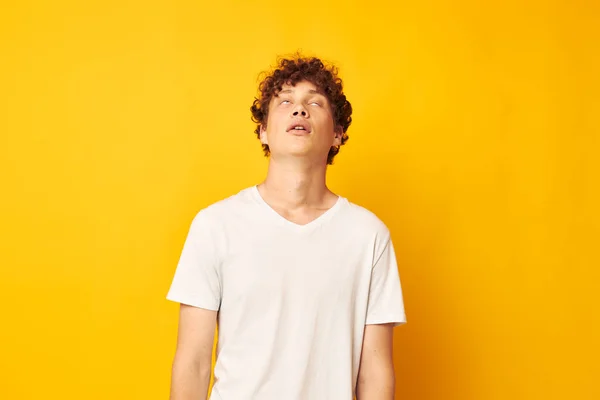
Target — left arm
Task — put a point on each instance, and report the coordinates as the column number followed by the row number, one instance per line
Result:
column 376, row 380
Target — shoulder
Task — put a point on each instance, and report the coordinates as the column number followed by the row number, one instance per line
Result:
column 366, row 225
column 223, row 209
column 366, row 220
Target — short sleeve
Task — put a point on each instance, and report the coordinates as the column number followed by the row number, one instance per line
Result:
column 196, row 280
column 386, row 304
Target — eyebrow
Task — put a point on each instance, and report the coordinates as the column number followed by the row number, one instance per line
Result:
column 311, row 91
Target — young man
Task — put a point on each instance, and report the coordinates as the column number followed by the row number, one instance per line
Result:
column 303, row 283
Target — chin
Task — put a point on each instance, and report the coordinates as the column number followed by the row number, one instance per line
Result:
column 306, row 154
column 299, row 147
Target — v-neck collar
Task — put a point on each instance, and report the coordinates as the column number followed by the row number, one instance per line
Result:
column 284, row 222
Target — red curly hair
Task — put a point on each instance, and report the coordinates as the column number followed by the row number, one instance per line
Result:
column 290, row 71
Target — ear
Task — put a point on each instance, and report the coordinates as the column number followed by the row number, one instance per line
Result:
column 263, row 135
column 338, row 134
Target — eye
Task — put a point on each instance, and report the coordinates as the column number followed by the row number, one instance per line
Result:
column 285, row 101
column 315, row 103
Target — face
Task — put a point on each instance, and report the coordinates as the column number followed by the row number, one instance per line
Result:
column 300, row 124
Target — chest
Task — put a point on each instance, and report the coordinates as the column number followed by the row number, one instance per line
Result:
column 277, row 268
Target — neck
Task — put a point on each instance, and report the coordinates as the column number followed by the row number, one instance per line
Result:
column 296, row 185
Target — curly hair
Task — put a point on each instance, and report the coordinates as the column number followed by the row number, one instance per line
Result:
column 290, row 71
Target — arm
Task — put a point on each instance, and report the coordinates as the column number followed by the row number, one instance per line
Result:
column 193, row 356
column 376, row 379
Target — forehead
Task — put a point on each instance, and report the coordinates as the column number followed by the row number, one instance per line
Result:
column 300, row 87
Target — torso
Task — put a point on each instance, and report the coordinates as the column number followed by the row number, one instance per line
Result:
column 294, row 298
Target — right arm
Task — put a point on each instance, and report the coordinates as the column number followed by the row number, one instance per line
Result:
column 191, row 369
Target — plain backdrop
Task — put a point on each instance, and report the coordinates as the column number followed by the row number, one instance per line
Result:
column 475, row 137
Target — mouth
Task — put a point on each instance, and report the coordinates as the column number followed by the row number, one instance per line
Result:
column 299, row 127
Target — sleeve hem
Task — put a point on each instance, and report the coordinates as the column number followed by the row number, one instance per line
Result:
column 194, row 302
column 396, row 321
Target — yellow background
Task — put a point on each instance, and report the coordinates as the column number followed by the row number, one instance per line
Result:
column 475, row 138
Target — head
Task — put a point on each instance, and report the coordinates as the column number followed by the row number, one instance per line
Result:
column 301, row 111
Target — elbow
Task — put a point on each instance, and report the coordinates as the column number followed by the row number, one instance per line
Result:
column 190, row 378
column 376, row 385
column 186, row 364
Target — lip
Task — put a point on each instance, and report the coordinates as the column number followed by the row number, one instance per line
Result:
column 299, row 122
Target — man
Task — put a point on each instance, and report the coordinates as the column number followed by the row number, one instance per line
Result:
column 303, row 283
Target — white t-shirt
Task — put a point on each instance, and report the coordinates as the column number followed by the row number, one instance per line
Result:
column 293, row 300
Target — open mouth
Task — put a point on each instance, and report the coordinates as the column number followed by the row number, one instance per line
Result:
column 299, row 127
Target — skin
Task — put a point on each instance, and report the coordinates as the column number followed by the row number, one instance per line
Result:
column 295, row 187
column 295, row 184
column 376, row 378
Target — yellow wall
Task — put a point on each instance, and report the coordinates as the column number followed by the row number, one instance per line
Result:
column 475, row 138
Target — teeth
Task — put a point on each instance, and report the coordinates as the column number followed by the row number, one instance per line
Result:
column 299, row 128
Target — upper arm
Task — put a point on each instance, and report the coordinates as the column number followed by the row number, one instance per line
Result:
column 376, row 371
column 195, row 336
column 377, row 348
column 385, row 303
column 197, row 280
column 196, row 287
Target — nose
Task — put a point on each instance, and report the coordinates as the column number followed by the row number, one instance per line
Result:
column 300, row 111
